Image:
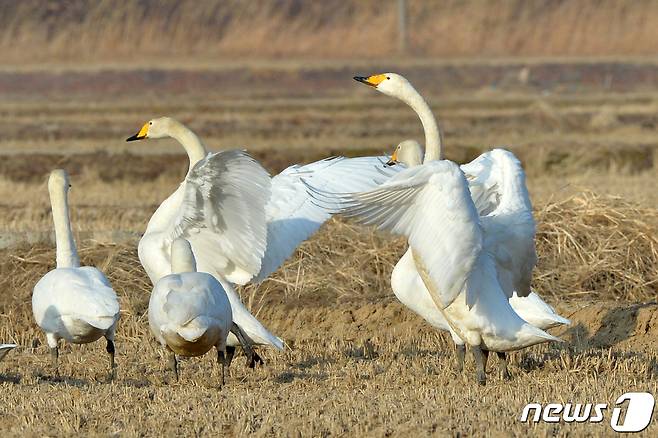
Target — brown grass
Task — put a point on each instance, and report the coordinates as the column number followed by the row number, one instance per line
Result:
column 357, row 360
column 136, row 31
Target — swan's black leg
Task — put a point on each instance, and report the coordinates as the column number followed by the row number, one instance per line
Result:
column 54, row 358
column 110, row 350
column 460, row 356
column 252, row 357
column 480, row 364
column 173, row 364
column 221, row 359
column 502, row 366
column 230, row 352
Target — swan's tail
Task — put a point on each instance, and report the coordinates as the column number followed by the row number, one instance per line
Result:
column 531, row 335
column 252, row 327
column 4, row 349
column 536, row 311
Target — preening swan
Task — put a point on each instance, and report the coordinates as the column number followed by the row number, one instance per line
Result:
column 5, row 348
column 71, row 302
column 497, row 185
column 189, row 312
column 241, row 224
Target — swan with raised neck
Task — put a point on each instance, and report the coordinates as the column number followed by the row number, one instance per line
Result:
column 162, row 127
column 58, row 187
column 395, row 85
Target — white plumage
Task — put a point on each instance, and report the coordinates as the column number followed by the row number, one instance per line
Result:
column 277, row 215
column 73, row 303
column 481, row 314
column 189, row 311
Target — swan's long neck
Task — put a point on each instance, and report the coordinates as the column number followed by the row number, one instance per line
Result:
column 433, row 140
column 67, row 255
column 182, row 257
column 195, row 149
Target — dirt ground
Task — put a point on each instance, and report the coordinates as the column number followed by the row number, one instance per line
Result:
column 357, row 362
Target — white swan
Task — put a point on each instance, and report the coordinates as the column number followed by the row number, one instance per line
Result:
column 71, row 302
column 5, row 348
column 189, row 312
column 497, row 185
column 431, row 205
column 239, row 231
column 498, row 188
column 409, row 288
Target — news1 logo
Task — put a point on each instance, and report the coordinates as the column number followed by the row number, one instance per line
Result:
column 639, row 411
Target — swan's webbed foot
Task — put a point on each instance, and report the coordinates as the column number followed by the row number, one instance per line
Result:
column 173, row 364
column 502, row 366
column 252, row 356
column 480, row 356
column 460, row 356
column 255, row 359
column 110, row 350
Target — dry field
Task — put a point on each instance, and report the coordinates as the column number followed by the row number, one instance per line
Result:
column 357, row 362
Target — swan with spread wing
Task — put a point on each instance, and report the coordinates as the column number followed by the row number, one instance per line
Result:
column 497, row 187
column 242, row 224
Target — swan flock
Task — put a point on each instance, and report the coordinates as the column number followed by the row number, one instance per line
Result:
column 467, row 269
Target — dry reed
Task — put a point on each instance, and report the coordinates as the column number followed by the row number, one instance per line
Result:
column 138, row 30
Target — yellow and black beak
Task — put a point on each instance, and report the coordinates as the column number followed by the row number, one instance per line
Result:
column 371, row 81
column 394, row 159
column 141, row 135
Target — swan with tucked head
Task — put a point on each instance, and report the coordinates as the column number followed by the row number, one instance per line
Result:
column 189, row 312
column 71, row 302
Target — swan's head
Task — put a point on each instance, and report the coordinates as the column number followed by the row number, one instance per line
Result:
column 155, row 128
column 58, row 181
column 391, row 84
column 409, row 153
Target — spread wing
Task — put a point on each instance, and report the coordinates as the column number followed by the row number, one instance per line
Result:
column 293, row 217
column 497, row 184
column 430, row 205
column 223, row 214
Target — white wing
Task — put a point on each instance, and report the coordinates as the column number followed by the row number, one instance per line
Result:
column 81, row 293
column 293, row 217
column 223, row 214
column 430, row 205
column 497, row 184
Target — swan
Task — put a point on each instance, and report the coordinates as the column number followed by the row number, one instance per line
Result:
column 72, row 302
column 241, row 224
column 410, row 290
column 4, row 349
column 431, row 206
column 497, row 187
column 189, row 312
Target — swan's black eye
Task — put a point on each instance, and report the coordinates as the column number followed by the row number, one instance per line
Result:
column 388, row 77
column 150, row 123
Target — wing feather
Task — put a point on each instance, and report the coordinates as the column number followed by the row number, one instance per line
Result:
column 293, row 217
column 432, row 207
column 497, row 184
column 223, row 213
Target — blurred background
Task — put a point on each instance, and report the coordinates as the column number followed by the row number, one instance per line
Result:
column 569, row 86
